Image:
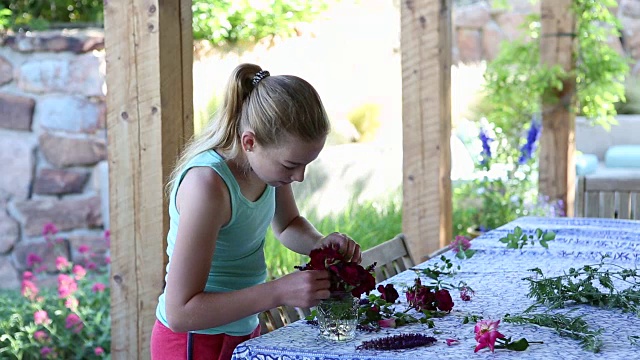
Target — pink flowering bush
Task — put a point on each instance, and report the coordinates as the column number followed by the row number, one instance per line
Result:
column 70, row 320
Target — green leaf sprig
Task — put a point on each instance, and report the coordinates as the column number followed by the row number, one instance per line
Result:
column 591, row 285
column 519, row 239
column 574, row 327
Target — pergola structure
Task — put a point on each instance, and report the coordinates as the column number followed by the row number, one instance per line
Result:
column 149, row 54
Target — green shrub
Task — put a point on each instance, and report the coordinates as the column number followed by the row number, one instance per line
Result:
column 71, row 321
column 225, row 23
column 202, row 117
column 366, row 119
column 40, row 14
column 228, row 23
column 369, row 223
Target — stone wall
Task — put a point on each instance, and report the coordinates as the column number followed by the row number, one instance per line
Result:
column 52, row 148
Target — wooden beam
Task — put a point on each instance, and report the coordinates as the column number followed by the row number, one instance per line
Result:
column 557, row 142
column 149, row 116
column 426, row 115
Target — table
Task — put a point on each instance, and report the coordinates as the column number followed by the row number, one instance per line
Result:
column 495, row 273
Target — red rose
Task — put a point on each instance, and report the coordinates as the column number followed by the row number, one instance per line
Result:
column 388, row 293
column 443, row 300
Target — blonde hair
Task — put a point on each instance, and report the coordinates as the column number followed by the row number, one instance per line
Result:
column 276, row 105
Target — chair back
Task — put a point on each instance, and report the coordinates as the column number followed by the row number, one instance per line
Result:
column 608, row 197
column 391, row 258
column 280, row 316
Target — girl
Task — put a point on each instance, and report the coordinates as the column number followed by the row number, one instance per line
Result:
column 228, row 186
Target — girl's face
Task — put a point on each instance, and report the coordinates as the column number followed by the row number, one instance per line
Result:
column 281, row 164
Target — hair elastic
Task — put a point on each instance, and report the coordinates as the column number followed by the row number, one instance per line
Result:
column 259, row 76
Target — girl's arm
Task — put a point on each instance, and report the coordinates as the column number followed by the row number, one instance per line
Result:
column 204, row 206
column 298, row 234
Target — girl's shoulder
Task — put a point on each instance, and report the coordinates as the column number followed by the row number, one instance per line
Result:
column 204, row 180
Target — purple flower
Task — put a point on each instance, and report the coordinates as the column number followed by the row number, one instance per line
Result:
column 461, row 243
column 527, row 150
column 486, row 148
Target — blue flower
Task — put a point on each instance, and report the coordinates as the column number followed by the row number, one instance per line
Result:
column 527, row 150
column 486, row 148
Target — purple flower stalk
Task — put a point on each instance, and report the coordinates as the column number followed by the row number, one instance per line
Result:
column 527, row 150
column 402, row 341
column 486, row 148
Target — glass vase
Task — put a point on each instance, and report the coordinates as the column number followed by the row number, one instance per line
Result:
column 338, row 317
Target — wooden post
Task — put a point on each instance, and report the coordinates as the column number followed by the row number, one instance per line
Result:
column 426, row 116
column 149, row 59
column 557, row 142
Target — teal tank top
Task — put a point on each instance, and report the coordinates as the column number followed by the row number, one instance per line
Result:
column 238, row 261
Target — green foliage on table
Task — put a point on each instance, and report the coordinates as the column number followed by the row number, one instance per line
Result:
column 595, row 285
column 517, row 239
column 574, row 327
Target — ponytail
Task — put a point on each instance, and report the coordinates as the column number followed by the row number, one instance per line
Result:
column 269, row 106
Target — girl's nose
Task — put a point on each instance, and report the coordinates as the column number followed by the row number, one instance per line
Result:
column 298, row 175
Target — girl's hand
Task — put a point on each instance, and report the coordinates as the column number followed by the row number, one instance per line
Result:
column 303, row 288
column 348, row 247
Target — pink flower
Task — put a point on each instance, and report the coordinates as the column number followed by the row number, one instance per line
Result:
column 74, row 322
column 41, row 317
column 79, row 272
column 466, row 294
column 33, row 259
column 45, row 351
column 107, row 259
column 40, row 336
column 66, row 285
column 387, row 323
column 27, row 275
column 452, row 342
column 49, row 228
column 460, row 243
column 486, row 334
column 83, row 249
column 98, row 351
column 98, row 287
column 29, row 289
column 62, row 263
column 71, row 303
column 91, row 265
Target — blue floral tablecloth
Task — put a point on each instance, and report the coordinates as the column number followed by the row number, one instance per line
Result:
column 495, row 273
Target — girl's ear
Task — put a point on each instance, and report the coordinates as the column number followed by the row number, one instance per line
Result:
column 248, row 140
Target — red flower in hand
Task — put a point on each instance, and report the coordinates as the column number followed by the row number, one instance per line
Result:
column 347, row 276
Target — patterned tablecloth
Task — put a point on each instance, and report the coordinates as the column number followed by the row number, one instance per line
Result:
column 495, row 273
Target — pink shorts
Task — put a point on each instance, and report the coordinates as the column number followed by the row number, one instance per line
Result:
column 166, row 344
